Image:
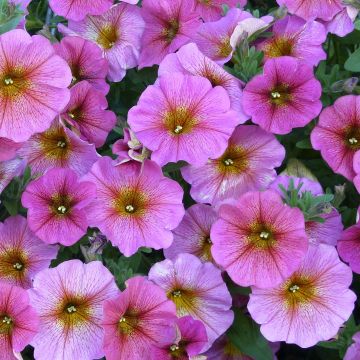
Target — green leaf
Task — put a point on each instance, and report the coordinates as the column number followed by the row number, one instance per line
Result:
column 304, row 144
column 353, row 62
column 245, row 335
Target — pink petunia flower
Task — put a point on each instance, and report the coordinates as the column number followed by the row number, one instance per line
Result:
column 135, row 205
column 18, row 321
column 58, row 147
column 311, row 10
column 349, row 247
column 293, row 36
column 357, row 170
column 183, row 118
column 310, row 306
column 22, row 254
column 87, row 115
column 189, row 60
column 192, row 236
column 337, row 135
column 191, row 339
column 136, row 320
column 213, row 38
column 353, row 351
column 85, row 60
column 56, row 204
column 69, row 300
column 248, row 163
column 286, row 96
column 259, row 241
column 78, row 9
column 10, row 169
column 129, row 148
column 328, row 232
column 118, row 33
column 342, row 23
column 169, row 25
column 198, row 290
column 211, row 10
column 8, row 149
column 34, row 80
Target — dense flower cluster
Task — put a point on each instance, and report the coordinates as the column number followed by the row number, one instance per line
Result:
column 160, row 190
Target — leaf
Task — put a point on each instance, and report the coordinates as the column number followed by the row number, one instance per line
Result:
column 245, row 335
column 304, row 144
column 353, row 62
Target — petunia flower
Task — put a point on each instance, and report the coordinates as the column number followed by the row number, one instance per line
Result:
column 191, row 339
column 342, row 23
column 87, row 115
column 286, row 96
column 56, row 204
column 8, row 149
column 135, row 205
column 22, row 254
column 349, row 247
column 18, row 321
column 85, row 60
column 78, row 9
column 183, row 118
column 34, row 80
column 248, row 163
column 129, row 148
column 58, row 147
column 10, row 169
column 327, row 232
column 259, row 241
column 189, row 60
column 311, row 305
column 293, row 36
column 118, row 33
column 169, row 24
column 192, row 236
column 198, row 290
column 69, row 300
column 353, row 351
column 337, row 135
column 310, row 10
column 211, row 10
column 136, row 320
column 213, row 38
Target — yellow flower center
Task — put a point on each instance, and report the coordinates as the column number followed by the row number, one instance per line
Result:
column 233, row 161
column 180, row 120
column 171, row 30
column 108, row 36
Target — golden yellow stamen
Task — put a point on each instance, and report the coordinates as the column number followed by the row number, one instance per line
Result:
column 176, row 293
column 178, row 129
column 228, row 162
column 18, row 266
column 294, row 288
column 62, row 209
column 275, row 95
column 129, row 208
column 353, row 141
column 7, row 320
column 264, row 235
column 174, row 347
column 8, row 81
column 71, row 309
